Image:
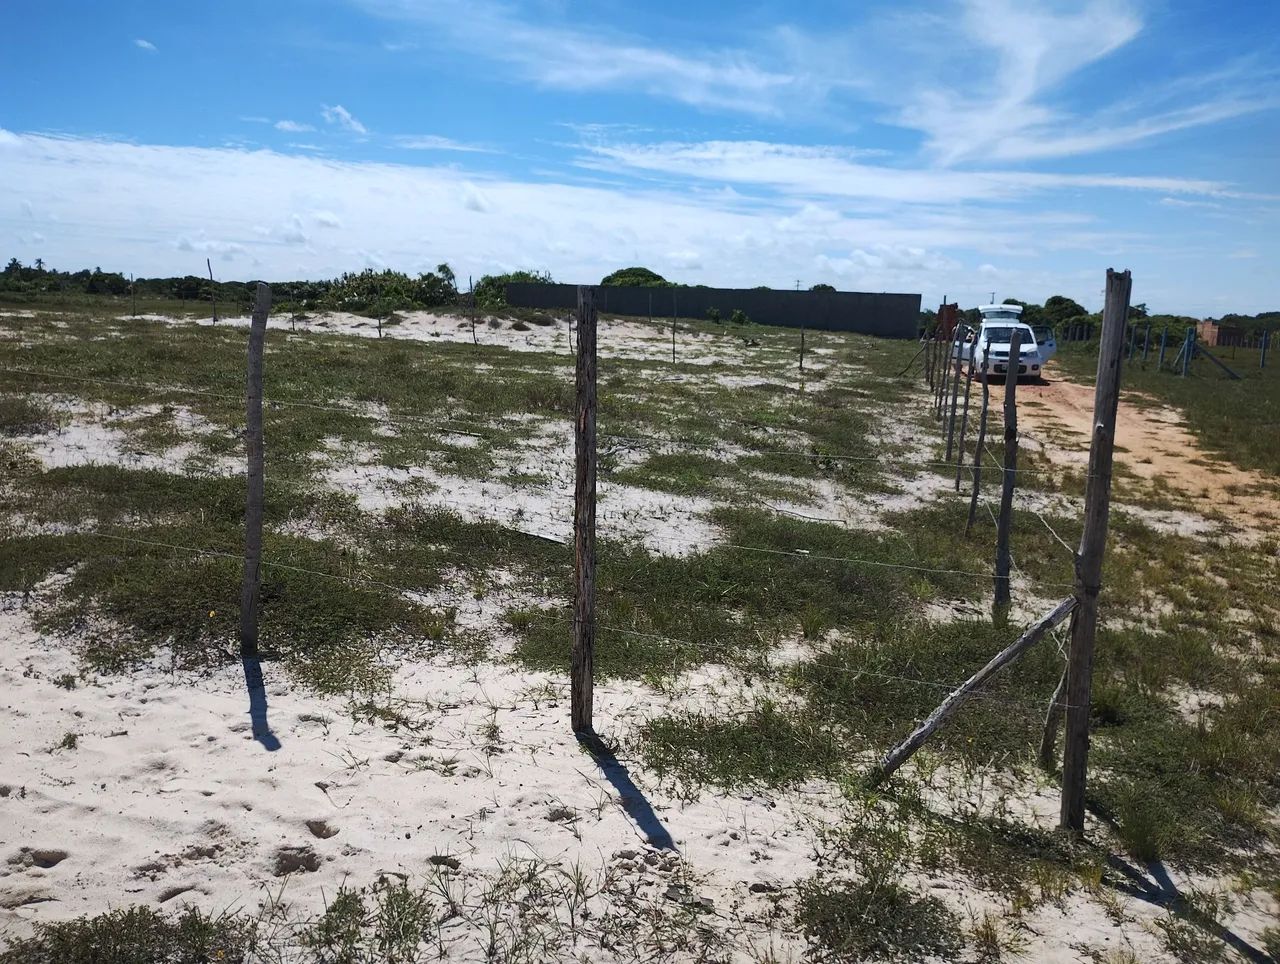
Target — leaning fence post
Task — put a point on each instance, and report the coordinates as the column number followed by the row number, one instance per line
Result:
column 584, row 518
column 1003, row 559
column 1266, row 340
column 1188, row 349
column 964, row 418
column 254, row 475
column 982, row 439
column 965, row 691
column 1164, row 341
column 1093, row 543
column 1146, row 344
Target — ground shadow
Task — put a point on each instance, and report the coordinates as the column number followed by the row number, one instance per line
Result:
column 258, row 703
column 629, row 795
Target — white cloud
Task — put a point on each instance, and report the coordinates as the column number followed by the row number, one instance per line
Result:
column 837, row 172
column 146, row 45
column 342, row 117
column 134, row 202
column 434, row 142
column 293, row 127
column 473, row 199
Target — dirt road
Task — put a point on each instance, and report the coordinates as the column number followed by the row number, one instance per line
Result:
column 1154, row 443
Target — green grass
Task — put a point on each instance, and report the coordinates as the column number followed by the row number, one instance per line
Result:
column 1182, row 617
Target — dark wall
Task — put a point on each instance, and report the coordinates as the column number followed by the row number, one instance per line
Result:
column 888, row 315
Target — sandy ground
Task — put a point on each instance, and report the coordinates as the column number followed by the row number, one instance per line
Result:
column 183, row 788
column 1154, row 443
column 617, row 338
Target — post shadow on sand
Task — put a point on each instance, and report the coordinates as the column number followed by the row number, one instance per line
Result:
column 258, row 703
column 629, row 795
column 1158, row 889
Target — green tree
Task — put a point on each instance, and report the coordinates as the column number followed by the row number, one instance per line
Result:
column 491, row 290
column 635, row 277
column 1058, row 308
column 823, row 287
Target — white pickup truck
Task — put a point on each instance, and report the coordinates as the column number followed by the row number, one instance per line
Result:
column 995, row 335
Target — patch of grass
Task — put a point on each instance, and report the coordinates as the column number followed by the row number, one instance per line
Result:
column 136, row 935
column 875, row 920
column 23, row 415
column 764, row 746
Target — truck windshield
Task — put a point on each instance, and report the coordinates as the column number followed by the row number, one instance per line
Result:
column 999, row 336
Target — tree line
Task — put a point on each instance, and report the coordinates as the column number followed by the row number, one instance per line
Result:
column 373, row 292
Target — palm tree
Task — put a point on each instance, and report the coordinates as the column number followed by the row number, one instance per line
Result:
column 39, row 264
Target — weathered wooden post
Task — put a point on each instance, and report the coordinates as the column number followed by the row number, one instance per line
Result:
column 471, row 306
column 928, row 358
column 964, row 419
column 955, row 393
column 673, row 325
column 1164, row 341
column 133, row 297
column 1188, row 349
column 1003, row 558
column 254, row 475
column 963, row 693
column 982, row 438
column 802, row 349
column 1146, row 343
column 584, row 519
column 1093, row 543
column 1266, row 341
column 213, row 295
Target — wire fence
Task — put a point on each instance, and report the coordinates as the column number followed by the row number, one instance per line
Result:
column 624, row 525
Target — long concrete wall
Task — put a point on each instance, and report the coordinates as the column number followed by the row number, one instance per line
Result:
column 887, row 315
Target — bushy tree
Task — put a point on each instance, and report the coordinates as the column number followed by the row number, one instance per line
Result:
column 491, row 290
column 823, row 287
column 635, row 278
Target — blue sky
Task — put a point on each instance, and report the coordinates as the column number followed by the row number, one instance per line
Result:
column 954, row 148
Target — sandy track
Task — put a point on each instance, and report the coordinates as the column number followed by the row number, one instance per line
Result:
column 1154, row 443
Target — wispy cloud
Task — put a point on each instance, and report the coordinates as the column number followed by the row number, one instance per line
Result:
column 293, row 127
column 839, row 172
column 341, row 117
column 572, row 58
column 146, row 45
column 434, row 142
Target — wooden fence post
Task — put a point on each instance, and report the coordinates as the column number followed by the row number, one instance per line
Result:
column 213, row 295
column 955, row 394
column 1188, row 348
column 802, row 349
column 584, row 518
column 1146, row 343
column 903, row 751
column 254, row 475
column 1093, row 543
column 982, row 437
column 471, row 299
column 931, row 339
column 1164, row 341
column 1266, row 341
column 964, row 419
column 1003, row 558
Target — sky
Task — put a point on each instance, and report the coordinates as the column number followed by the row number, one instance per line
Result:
column 959, row 149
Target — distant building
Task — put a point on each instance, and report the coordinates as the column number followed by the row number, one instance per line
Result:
column 1213, row 334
